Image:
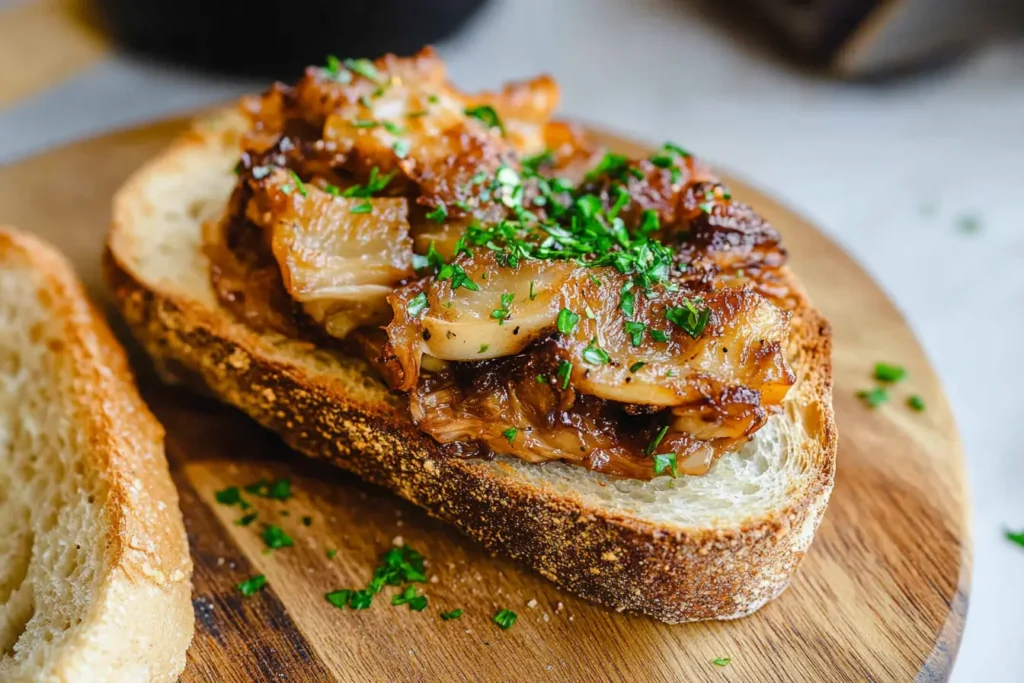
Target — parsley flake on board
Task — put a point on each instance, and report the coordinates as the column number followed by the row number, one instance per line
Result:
column 409, row 596
column 873, row 397
column 332, row 553
column 279, row 489
column 275, row 537
column 251, row 586
column 887, row 372
column 448, row 616
column 487, row 115
column 657, row 335
column 721, row 661
column 915, row 402
column 665, row 461
column 232, row 495
column 248, row 519
column 1015, row 537
column 506, row 618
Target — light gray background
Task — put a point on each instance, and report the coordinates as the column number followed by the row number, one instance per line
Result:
column 886, row 170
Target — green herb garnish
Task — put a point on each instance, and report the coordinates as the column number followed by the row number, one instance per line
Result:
column 486, row 114
column 338, row 598
column 564, row 373
column 594, row 354
column 439, row 214
column 886, row 372
column 658, row 335
column 374, row 183
column 448, row 616
column 361, row 207
column 458, row 276
column 688, row 317
column 248, row 519
column 502, row 313
column 1015, row 537
column 279, row 489
column 506, row 618
column 393, row 128
column 567, row 321
column 332, row 553
column 653, row 445
column 250, row 586
column 401, row 148
column 275, row 537
column 916, row 403
column 417, row 603
column 721, row 661
column 232, row 495
column 417, row 304
column 510, row 434
column 665, row 461
column 533, row 294
column 873, row 397
column 635, row 331
column 637, row 365
column 363, row 67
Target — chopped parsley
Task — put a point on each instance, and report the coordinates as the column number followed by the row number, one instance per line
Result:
column 533, row 164
column 510, row 434
column 483, row 348
column 721, row 661
column 409, row 596
column 564, row 373
column 275, row 537
column 502, row 313
column 567, row 321
column 665, row 461
column 232, row 495
column 363, row 67
column 298, row 183
column 336, row 71
column 248, row 519
column 374, row 183
column 251, row 586
column 656, row 441
column 401, row 148
column 332, row 553
column 449, row 616
column 594, row 354
column 361, row 207
column 457, row 275
column 688, row 317
column 887, row 372
column 533, row 294
column 658, row 335
column 279, row 489
column 439, row 214
column 487, row 115
column 1015, row 537
column 635, row 331
column 612, row 165
column 360, row 599
column 916, row 403
column 417, row 304
column 873, row 397
column 338, row 598
column 637, row 365
column 627, row 301
column 506, row 618
column 393, row 128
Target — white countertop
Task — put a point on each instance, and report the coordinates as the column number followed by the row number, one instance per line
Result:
column 886, row 170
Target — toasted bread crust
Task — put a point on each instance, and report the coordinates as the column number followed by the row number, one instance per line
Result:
column 144, row 597
column 671, row 573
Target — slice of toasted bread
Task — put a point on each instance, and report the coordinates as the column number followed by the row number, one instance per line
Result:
column 715, row 546
column 94, row 564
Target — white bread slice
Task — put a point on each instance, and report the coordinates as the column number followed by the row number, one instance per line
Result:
column 716, row 546
column 94, row 565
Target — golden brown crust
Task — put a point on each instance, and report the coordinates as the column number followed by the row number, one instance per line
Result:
column 672, row 573
column 147, row 550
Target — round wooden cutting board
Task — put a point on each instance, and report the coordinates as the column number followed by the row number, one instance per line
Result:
column 881, row 595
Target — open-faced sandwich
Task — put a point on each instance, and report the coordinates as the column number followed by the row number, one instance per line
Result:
column 598, row 365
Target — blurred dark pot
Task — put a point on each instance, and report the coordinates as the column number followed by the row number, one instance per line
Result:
column 276, row 38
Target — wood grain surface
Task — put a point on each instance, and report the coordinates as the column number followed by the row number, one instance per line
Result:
column 880, row 597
